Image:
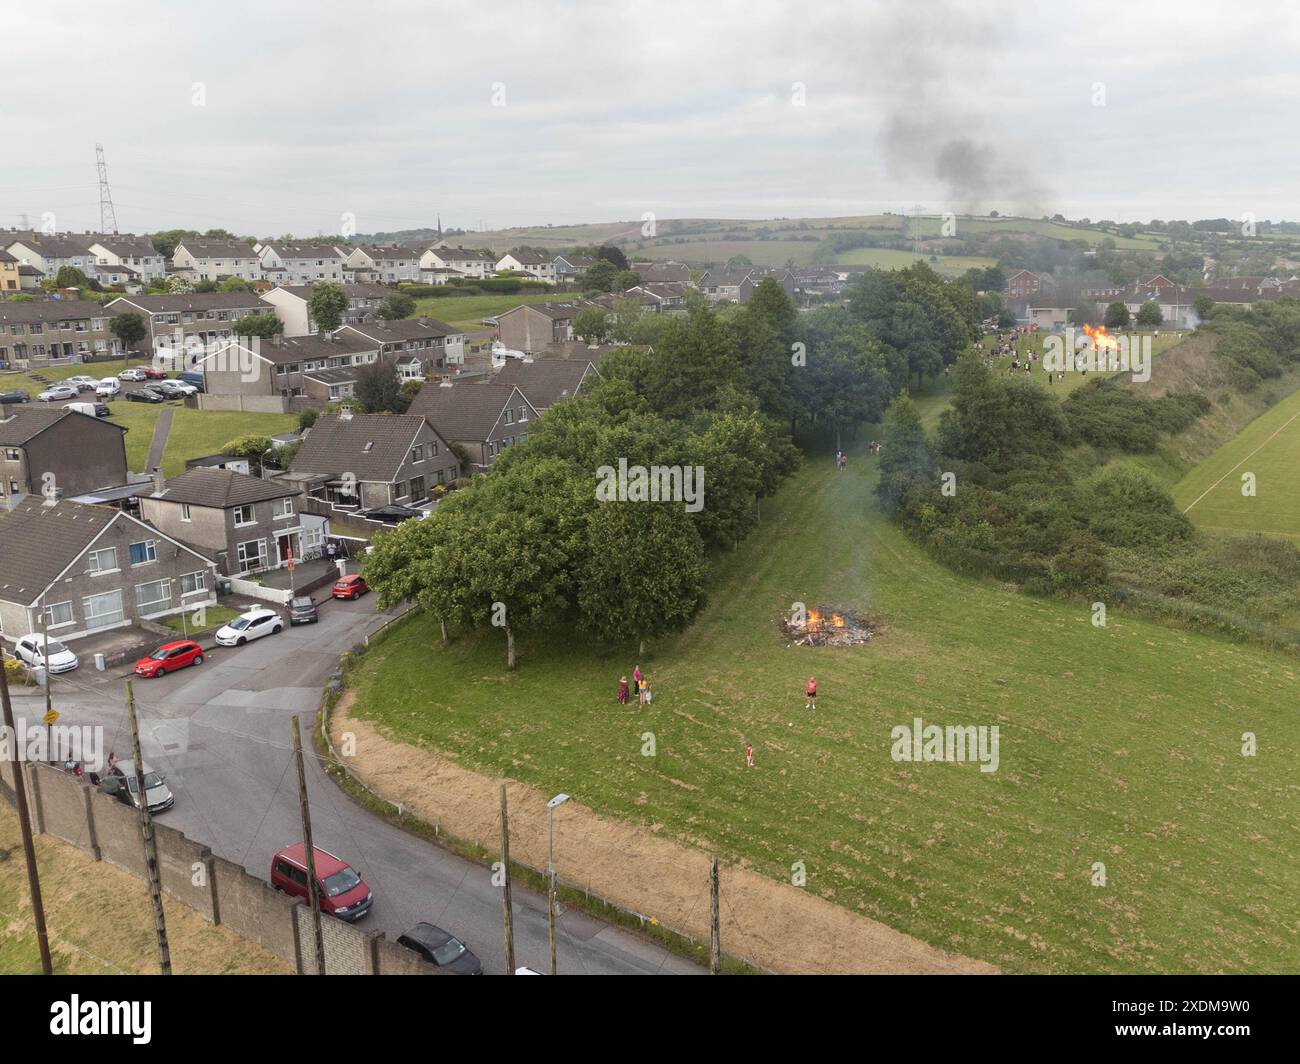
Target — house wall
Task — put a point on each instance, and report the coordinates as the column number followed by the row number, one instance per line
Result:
column 82, row 452
column 292, row 310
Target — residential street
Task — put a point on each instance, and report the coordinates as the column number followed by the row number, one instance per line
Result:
column 220, row 734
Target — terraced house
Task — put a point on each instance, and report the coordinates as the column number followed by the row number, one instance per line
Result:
column 214, row 260
column 83, row 569
column 54, row 449
column 284, row 373
column 301, row 262
column 198, row 317
column 437, row 264
column 482, row 418
column 127, row 252
column 290, row 303
column 50, row 253
column 385, row 263
column 48, row 329
column 244, row 523
column 430, row 343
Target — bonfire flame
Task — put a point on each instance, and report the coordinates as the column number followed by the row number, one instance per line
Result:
column 837, row 620
column 1099, row 337
column 814, row 620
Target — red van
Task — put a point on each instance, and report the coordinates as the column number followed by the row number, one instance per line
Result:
column 342, row 892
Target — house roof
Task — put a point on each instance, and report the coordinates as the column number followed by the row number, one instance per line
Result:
column 283, row 349
column 308, row 249
column 57, row 245
column 554, row 311
column 128, row 244
column 578, row 262
column 390, row 251
column 352, row 291
column 459, row 255
column 526, row 258
column 6, row 257
column 29, row 420
column 662, row 271
column 218, row 249
column 545, row 383
column 221, row 488
column 371, row 447
column 45, row 310
column 42, row 541
column 465, row 410
column 393, row 332
column 193, row 301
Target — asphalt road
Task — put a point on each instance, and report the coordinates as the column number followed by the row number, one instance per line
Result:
column 220, row 734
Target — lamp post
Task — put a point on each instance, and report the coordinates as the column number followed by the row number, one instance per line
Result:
column 551, row 806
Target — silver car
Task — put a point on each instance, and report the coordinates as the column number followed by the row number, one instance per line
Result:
column 58, row 392
column 121, row 783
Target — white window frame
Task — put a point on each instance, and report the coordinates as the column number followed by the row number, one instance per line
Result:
column 50, row 622
column 93, row 569
column 150, row 550
column 199, row 578
column 252, row 515
column 185, row 512
column 153, row 605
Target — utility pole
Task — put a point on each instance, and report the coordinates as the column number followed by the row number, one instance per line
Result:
column 715, row 927
column 507, row 910
column 150, row 845
column 313, row 892
column 24, row 822
column 45, row 662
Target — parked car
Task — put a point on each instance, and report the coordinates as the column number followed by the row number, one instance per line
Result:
column 148, row 394
column 342, row 892
column 83, row 383
column 350, row 587
column 132, row 373
column 57, row 393
column 192, row 378
column 30, row 649
column 15, row 396
column 441, row 948
column 120, row 782
column 169, row 657
column 254, row 624
column 152, row 373
column 174, row 389
column 108, row 388
column 303, row 611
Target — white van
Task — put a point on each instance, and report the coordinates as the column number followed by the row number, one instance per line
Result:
column 82, row 408
column 108, row 387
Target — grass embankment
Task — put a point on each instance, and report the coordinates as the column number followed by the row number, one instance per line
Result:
column 1120, row 745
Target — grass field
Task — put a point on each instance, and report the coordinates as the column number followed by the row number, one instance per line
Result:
column 895, row 259
column 468, row 312
column 196, row 433
column 213, row 617
column 1212, row 496
column 1119, row 745
column 100, row 921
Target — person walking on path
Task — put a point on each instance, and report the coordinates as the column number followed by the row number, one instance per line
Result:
column 622, row 691
column 812, row 693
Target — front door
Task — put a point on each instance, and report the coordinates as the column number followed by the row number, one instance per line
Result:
column 286, row 546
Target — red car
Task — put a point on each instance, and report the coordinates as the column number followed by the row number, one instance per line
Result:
column 350, row 587
column 341, row 891
column 151, row 374
column 169, row 657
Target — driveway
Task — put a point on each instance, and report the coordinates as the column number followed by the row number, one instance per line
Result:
column 220, row 734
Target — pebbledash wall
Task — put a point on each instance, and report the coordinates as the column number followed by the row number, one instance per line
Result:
column 221, row 892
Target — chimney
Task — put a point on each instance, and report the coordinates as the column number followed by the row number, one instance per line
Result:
column 423, row 319
column 158, row 481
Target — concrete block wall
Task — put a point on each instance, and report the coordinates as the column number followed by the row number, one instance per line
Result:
column 221, row 891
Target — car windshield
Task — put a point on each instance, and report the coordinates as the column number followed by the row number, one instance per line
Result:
column 151, row 780
column 55, row 647
column 240, row 623
column 449, row 951
column 159, row 654
column 341, row 882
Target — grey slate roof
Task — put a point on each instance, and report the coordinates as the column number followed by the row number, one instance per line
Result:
column 45, row 310
column 29, row 420
column 466, row 411
column 218, row 249
column 41, row 541
column 221, row 488
column 370, row 446
column 192, row 301
column 545, row 383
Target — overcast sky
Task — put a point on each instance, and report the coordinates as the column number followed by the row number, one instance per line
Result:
column 266, row 118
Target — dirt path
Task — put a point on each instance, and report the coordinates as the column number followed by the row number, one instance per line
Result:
column 776, row 926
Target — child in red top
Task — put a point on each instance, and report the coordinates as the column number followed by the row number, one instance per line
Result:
column 812, row 694
column 749, row 755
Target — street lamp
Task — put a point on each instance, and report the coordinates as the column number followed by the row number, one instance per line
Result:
column 551, row 806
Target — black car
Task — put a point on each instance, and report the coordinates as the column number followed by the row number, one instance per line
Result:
column 15, row 397
column 445, row 950
column 303, row 611
column 102, row 410
column 146, row 395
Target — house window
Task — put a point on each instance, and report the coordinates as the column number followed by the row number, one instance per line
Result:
column 192, row 583
column 102, row 611
column 510, row 417
column 58, row 613
column 152, row 597
column 103, row 560
column 284, row 508
column 251, row 555
column 399, row 490
column 144, row 552
column 244, row 516
column 11, row 454
column 185, row 511
column 417, row 453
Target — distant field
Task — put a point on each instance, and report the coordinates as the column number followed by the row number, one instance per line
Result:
column 1269, row 447
column 892, row 258
column 468, row 312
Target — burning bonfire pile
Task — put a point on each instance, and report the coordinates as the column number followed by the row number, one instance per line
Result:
column 1101, row 339
column 827, row 628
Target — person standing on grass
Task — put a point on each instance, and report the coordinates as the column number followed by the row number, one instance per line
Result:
column 636, row 678
column 749, row 754
column 812, row 693
column 622, row 691
column 643, row 689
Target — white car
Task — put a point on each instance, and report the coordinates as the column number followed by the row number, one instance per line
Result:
column 57, row 393
column 253, row 624
column 83, row 383
column 108, row 387
column 135, row 373
column 30, row 649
